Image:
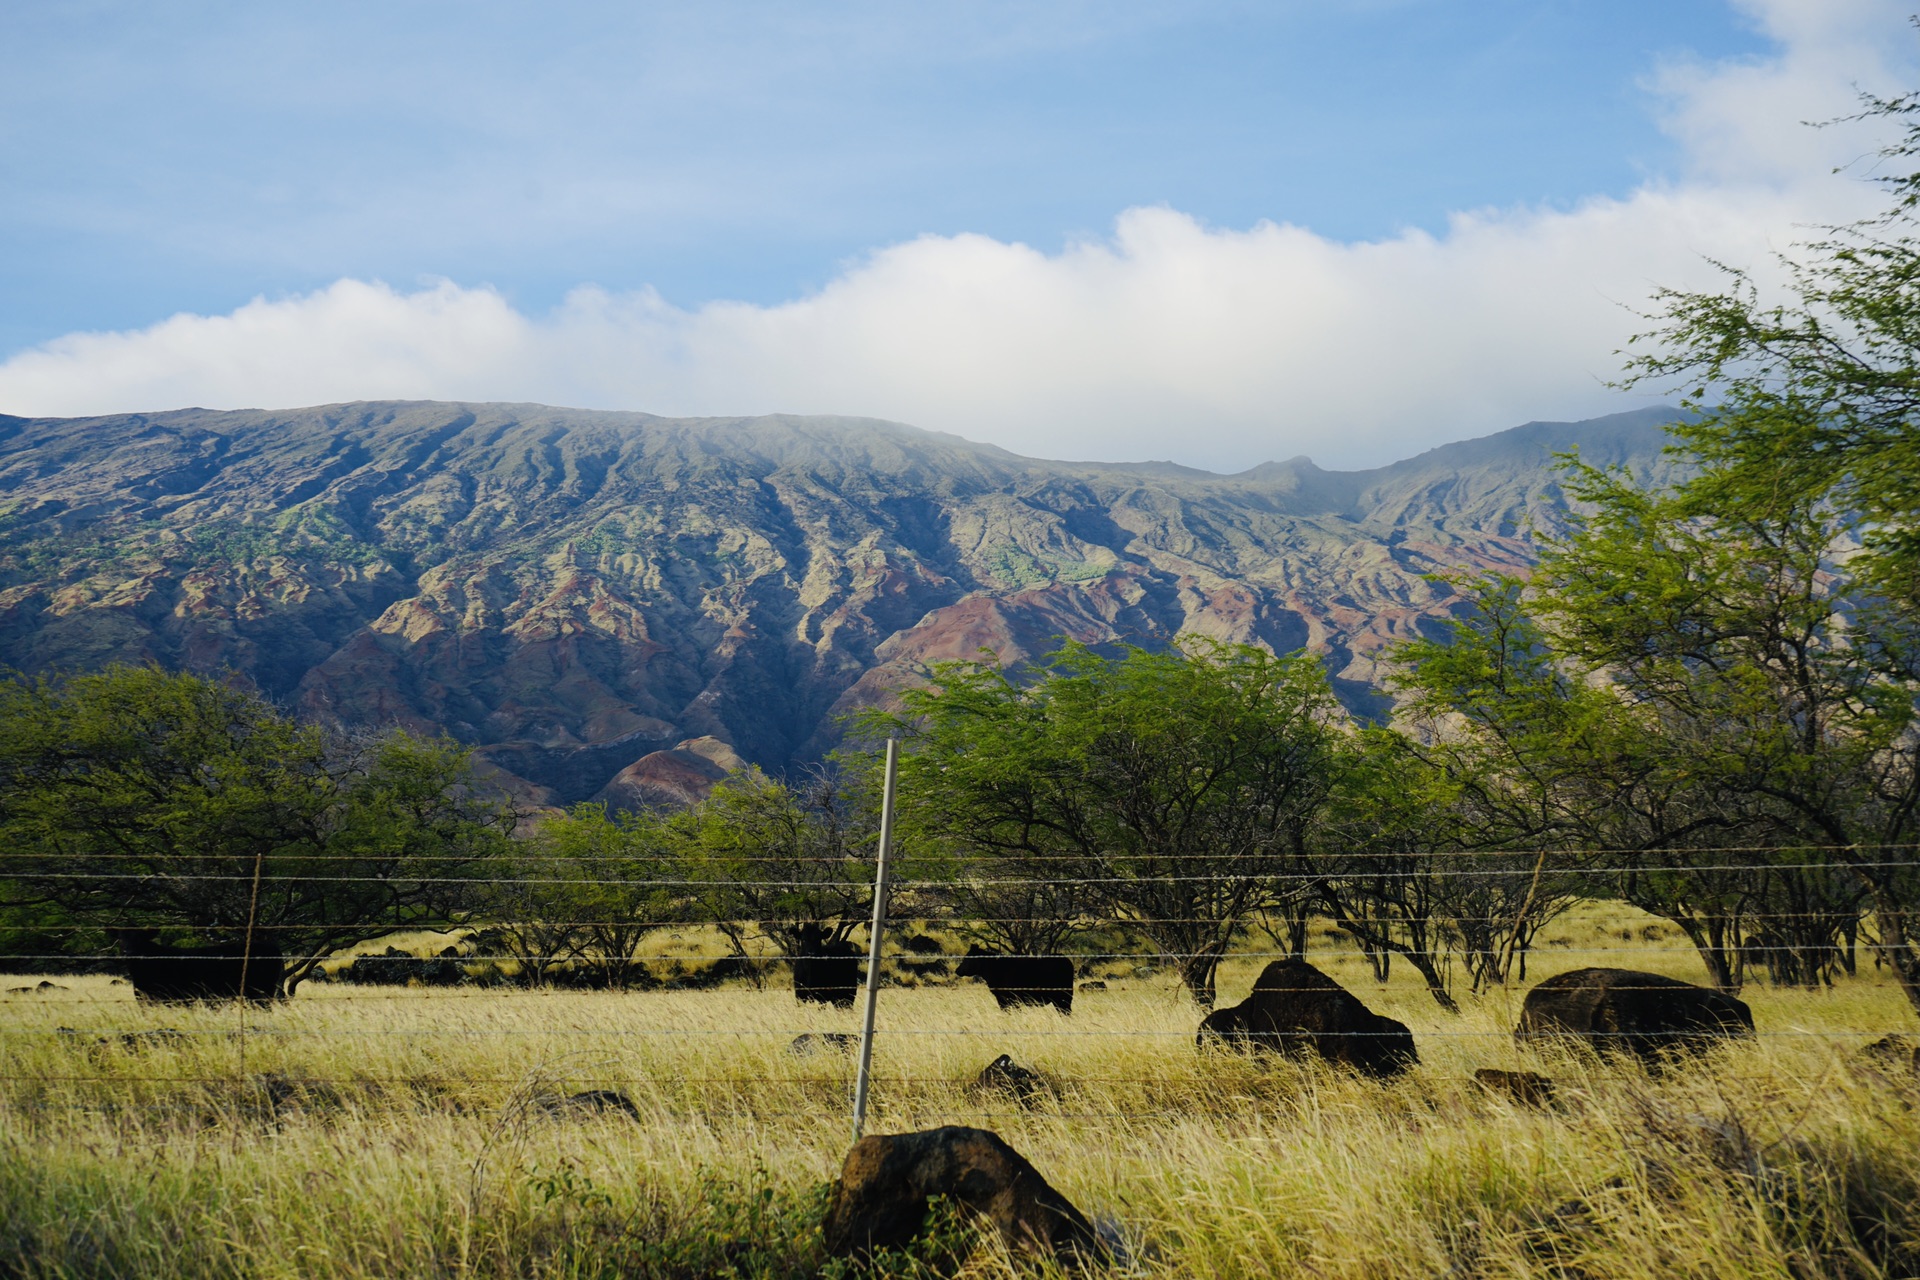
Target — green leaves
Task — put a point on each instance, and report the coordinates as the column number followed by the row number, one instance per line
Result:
column 1813, row 401
column 1161, row 788
column 135, row 797
column 790, row 862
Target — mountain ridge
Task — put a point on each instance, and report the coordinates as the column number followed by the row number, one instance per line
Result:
column 573, row 592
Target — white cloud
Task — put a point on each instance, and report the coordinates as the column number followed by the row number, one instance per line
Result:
column 1215, row 347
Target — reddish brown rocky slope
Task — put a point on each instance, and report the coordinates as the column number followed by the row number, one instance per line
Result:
column 621, row 605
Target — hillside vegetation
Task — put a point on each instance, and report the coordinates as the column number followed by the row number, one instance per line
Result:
column 577, row 593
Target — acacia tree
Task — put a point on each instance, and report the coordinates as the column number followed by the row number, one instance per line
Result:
column 789, row 864
column 1810, row 405
column 1715, row 695
column 1170, row 787
column 618, row 874
column 137, row 798
column 1783, row 680
column 1545, row 761
column 589, row 887
column 1405, row 864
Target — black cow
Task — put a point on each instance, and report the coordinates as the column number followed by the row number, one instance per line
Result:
column 1021, row 980
column 162, row 972
column 826, row 972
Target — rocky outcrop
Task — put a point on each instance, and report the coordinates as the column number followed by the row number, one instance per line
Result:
column 1299, row 1011
column 881, row 1199
column 577, row 595
column 660, row 779
column 1648, row 1015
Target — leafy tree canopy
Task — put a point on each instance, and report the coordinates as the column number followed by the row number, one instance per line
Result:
column 138, row 798
column 1169, row 787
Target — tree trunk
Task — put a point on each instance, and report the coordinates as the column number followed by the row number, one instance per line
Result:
column 1901, row 950
column 1379, row 959
column 1420, row 959
column 1422, row 962
column 1197, row 972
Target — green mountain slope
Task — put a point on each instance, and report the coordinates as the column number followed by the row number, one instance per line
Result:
column 576, row 592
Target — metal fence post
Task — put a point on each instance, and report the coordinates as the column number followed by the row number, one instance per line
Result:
column 873, row 942
column 246, row 955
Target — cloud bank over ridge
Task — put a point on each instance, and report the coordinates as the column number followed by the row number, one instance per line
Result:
column 1215, row 347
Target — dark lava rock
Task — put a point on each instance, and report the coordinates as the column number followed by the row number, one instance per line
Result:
column 1895, row 1051
column 599, row 1101
column 1624, row 1011
column 1527, row 1088
column 881, row 1198
column 808, row 1043
column 1297, row 1010
column 1004, row 1075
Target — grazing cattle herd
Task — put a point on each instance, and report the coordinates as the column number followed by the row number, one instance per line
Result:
column 1295, row 1010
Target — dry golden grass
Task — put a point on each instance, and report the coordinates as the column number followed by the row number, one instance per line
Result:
column 400, row 1132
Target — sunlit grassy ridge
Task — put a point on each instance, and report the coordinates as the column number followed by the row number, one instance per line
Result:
column 391, row 1131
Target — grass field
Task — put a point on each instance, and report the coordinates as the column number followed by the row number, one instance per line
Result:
column 360, row 1132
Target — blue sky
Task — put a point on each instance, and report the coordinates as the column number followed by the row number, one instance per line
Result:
column 191, row 157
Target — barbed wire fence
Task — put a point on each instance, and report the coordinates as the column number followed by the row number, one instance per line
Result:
column 462, row 970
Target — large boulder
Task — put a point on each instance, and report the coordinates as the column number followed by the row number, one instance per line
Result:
column 881, row 1198
column 1297, row 1010
column 1625, row 1011
column 1021, row 980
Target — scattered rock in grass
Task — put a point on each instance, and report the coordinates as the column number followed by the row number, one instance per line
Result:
column 594, row 1101
column 1560, row 1233
column 1005, row 1076
column 808, row 1043
column 880, row 1200
column 1297, row 1010
column 273, row 1094
column 1895, row 1052
column 1527, row 1088
column 1093, row 984
column 1623, row 1011
column 36, row 989
column 158, row 1038
column 397, row 968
